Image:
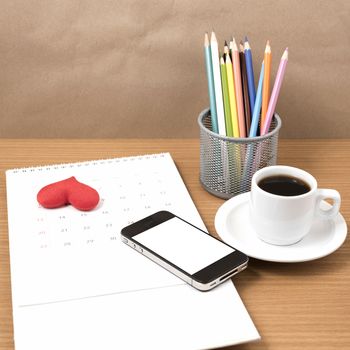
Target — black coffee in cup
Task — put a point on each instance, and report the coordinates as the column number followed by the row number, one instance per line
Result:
column 283, row 185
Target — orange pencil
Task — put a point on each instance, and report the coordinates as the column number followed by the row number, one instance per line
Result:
column 266, row 84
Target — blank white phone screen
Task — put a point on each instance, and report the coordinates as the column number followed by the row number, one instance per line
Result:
column 183, row 245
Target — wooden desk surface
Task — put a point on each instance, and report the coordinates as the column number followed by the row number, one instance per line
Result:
column 294, row 306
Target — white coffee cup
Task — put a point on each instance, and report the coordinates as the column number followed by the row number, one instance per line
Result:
column 284, row 220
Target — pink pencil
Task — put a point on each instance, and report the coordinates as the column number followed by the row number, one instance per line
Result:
column 275, row 93
column 238, row 87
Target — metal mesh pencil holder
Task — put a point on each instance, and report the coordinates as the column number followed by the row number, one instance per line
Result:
column 227, row 164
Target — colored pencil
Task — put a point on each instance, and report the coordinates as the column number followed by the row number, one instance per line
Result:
column 250, row 74
column 211, row 88
column 257, row 105
column 227, row 110
column 217, row 84
column 238, row 87
column 275, row 92
column 266, row 86
column 232, row 96
column 246, row 102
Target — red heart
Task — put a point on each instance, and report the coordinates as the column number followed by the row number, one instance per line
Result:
column 68, row 191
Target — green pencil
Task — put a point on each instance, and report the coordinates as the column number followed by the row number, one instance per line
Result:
column 227, row 109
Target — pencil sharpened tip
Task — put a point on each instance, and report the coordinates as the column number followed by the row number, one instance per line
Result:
column 245, row 38
column 206, row 39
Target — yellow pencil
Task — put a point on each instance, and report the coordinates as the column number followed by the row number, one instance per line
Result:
column 234, row 154
column 232, row 96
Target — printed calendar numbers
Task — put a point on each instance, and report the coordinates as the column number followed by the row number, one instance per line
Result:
column 123, row 200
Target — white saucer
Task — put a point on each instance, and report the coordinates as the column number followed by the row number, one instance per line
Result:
column 232, row 223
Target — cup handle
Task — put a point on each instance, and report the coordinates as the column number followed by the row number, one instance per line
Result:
column 327, row 194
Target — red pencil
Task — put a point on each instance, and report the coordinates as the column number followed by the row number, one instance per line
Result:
column 238, row 87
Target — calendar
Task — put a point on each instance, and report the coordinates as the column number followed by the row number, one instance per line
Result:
column 76, row 285
column 66, row 254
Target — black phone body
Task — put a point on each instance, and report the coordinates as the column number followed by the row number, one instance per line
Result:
column 190, row 253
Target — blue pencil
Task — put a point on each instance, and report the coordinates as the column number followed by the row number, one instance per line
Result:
column 250, row 74
column 257, row 105
column 211, row 89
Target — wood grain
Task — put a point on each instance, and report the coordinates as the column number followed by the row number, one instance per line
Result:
column 294, row 306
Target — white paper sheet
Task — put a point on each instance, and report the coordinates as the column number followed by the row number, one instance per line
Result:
column 163, row 318
column 72, row 276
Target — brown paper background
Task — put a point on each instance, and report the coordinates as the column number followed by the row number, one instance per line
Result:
column 100, row 68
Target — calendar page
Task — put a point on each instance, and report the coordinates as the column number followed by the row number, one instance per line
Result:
column 65, row 254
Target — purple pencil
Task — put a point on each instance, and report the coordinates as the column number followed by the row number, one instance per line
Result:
column 275, row 92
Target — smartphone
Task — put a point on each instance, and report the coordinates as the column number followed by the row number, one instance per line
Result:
column 190, row 253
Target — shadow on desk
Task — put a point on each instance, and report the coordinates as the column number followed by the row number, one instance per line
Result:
column 283, row 297
column 285, row 273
